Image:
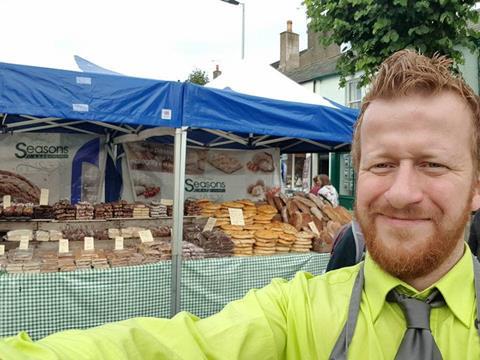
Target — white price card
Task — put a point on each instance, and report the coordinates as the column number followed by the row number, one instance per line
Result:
column 145, row 236
column 314, row 228
column 44, row 196
column 63, row 246
column 118, row 242
column 88, row 243
column 2, row 250
column 24, row 240
column 7, row 201
column 166, row 202
column 236, row 216
column 210, row 224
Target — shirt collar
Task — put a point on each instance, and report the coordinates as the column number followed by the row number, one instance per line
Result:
column 378, row 283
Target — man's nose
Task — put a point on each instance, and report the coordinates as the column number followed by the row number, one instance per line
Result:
column 405, row 188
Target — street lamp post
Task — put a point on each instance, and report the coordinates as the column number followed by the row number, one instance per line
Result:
column 235, row 2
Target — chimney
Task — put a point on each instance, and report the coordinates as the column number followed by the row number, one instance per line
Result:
column 217, row 72
column 289, row 49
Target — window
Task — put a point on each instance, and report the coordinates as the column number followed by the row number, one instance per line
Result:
column 347, row 177
column 354, row 94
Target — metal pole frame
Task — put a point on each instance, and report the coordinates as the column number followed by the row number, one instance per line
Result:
column 177, row 230
column 243, row 30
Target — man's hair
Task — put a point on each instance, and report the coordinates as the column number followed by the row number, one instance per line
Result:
column 407, row 72
column 324, row 179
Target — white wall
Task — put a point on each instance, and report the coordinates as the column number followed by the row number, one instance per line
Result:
column 469, row 70
column 328, row 87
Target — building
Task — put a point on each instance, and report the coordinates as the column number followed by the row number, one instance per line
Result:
column 315, row 69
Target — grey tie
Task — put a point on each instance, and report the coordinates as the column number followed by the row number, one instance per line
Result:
column 417, row 342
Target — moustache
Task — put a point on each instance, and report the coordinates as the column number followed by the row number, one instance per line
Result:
column 412, row 212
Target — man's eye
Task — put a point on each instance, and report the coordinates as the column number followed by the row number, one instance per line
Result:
column 433, row 165
column 382, row 166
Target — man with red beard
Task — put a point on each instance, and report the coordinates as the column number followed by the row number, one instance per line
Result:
column 416, row 294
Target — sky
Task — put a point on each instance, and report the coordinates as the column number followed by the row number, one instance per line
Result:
column 160, row 39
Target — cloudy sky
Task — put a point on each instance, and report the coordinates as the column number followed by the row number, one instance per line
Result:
column 162, row 39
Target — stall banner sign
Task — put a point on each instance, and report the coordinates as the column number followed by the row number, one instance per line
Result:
column 218, row 175
column 71, row 166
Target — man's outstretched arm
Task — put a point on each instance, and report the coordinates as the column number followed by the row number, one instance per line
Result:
column 251, row 328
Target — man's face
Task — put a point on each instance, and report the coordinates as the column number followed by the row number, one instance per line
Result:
column 415, row 185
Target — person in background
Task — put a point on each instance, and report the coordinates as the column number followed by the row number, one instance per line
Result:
column 317, row 184
column 348, row 247
column 417, row 294
column 327, row 190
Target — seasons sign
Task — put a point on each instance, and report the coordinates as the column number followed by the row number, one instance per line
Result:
column 37, row 151
column 204, row 186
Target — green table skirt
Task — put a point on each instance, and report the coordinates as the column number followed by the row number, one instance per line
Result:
column 45, row 303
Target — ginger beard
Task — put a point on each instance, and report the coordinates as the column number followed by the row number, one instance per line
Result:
column 406, row 261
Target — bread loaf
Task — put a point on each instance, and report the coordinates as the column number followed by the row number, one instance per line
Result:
column 278, row 203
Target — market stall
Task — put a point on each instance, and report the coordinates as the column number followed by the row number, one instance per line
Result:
column 127, row 110
column 47, row 118
column 216, row 118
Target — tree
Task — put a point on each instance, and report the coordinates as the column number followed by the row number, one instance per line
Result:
column 378, row 28
column 198, row 77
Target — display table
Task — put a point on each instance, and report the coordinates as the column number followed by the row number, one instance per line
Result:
column 45, row 303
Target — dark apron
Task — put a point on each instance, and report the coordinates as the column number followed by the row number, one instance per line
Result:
column 340, row 350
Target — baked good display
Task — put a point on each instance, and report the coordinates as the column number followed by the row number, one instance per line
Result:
column 84, row 211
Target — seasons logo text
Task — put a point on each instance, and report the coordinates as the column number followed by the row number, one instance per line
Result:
column 204, row 186
column 25, row 151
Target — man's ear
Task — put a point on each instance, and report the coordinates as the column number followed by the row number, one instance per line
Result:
column 476, row 195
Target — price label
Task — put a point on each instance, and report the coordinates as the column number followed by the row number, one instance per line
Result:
column 210, row 224
column 314, row 228
column 7, row 201
column 118, row 242
column 88, row 243
column 2, row 250
column 24, row 240
column 145, row 236
column 166, row 202
column 63, row 246
column 236, row 216
column 44, row 196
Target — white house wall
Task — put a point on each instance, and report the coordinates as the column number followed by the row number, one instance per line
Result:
column 328, row 87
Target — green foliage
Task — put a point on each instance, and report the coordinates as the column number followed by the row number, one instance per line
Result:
column 198, row 77
column 378, row 28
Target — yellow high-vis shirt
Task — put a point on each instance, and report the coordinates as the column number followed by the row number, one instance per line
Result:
column 300, row 319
